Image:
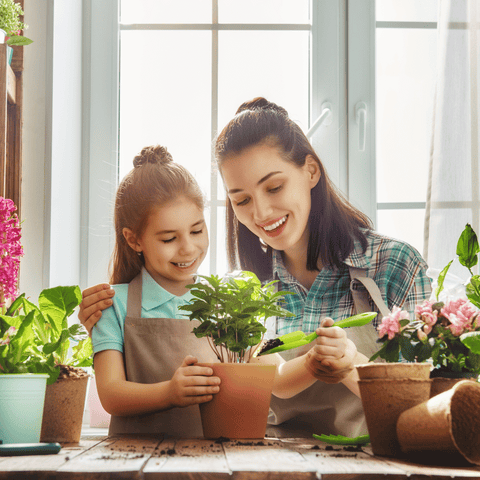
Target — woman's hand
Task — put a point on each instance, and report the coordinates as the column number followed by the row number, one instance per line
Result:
column 192, row 384
column 331, row 360
column 95, row 299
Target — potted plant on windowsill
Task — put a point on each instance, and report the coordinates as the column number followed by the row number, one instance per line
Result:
column 232, row 313
column 11, row 26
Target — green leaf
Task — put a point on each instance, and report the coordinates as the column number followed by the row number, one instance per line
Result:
column 15, row 305
column 82, row 355
column 58, row 303
column 18, row 40
column 468, row 248
column 441, row 279
column 473, row 290
column 472, row 341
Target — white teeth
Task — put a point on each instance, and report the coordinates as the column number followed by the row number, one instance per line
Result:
column 276, row 224
column 185, row 265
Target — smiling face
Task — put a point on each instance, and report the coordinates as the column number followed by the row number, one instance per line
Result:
column 271, row 196
column 174, row 243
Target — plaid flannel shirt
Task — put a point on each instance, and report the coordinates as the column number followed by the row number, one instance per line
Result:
column 397, row 268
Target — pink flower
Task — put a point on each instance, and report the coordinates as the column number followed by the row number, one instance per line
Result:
column 10, row 249
column 461, row 314
column 391, row 323
column 426, row 314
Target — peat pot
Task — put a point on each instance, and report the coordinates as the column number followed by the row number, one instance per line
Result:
column 388, row 389
column 64, row 406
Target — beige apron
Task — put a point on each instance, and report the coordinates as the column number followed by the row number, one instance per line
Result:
column 153, row 350
column 324, row 408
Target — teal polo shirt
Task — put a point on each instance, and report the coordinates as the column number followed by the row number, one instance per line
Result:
column 108, row 333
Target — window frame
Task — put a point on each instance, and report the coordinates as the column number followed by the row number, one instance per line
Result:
column 337, row 28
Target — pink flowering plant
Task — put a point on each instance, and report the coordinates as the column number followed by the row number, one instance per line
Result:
column 447, row 332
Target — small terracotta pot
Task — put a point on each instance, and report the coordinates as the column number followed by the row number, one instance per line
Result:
column 240, row 408
column 383, row 401
column 448, row 422
column 419, row 371
column 63, row 410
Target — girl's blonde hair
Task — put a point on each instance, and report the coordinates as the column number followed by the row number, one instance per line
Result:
column 155, row 180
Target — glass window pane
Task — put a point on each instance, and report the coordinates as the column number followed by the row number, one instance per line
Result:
column 406, row 10
column 406, row 225
column 165, row 11
column 264, row 11
column 165, row 97
column 273, row 65
column 405, row 86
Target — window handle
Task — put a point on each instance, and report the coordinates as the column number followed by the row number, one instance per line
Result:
column 325, row 118
column 361, row 119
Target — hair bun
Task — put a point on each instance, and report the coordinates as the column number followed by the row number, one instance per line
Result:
column 260, row 103
column 153, row 154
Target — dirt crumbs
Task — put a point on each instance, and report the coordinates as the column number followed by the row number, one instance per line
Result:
column 67, row 371
column 269, row 344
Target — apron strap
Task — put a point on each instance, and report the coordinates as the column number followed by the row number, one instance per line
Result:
column 134, row 298
column 360, row 297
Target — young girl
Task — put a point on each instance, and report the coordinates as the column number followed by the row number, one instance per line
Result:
column 144, row 352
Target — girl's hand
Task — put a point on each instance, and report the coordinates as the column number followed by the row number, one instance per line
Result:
column 95, row 299
column 192, row 384
column 332, row 358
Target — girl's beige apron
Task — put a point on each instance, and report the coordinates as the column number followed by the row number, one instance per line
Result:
column 153, row 350
column 330, row 408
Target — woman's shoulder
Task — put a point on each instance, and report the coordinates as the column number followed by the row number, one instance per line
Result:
column 389, row 247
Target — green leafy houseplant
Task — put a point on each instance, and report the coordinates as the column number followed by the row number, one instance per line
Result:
column 232, row 313
column 36, row 339
column 448, row 332
column 10, row 22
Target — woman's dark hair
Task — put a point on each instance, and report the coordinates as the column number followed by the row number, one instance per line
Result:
column 154, row 181
column 334, row 223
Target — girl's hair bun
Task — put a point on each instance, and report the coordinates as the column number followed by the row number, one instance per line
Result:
column 261, row 103
column 153, row 154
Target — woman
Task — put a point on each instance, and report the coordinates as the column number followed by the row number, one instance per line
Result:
column 286, row 220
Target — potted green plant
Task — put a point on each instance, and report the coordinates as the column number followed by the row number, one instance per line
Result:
column 50, row 351
column 231, row 313
column 11, row 24
column 22, row 381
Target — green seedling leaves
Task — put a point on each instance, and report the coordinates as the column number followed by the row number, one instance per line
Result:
column 472, row 341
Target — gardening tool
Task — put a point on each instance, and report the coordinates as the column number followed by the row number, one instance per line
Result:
column 10, row 449
column 298, row 338
column 341, row 440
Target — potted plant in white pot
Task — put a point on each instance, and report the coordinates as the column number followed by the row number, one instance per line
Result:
column 11, row 26
column 22, row 379
column 232, row 313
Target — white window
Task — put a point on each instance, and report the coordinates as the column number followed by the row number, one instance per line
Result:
column 174, row 72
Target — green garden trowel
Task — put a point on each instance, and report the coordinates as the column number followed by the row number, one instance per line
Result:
column 298, row 338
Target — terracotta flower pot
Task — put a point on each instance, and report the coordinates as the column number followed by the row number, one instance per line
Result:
column 240, row 408
column 391, row 389
column 63, row 410
column 448, row 422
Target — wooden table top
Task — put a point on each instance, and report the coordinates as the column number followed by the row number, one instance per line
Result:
column 102, row 457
